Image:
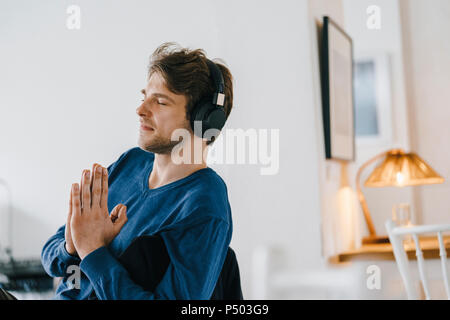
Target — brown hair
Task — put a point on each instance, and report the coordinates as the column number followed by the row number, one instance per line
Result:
column 185, row 72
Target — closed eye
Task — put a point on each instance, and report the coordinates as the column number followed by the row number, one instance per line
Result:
column 160, row 103
column 159, row 95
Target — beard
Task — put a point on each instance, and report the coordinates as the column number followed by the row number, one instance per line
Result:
column 160, row 144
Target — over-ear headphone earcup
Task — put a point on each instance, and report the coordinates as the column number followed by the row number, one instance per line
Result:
column 211, row 117
column 215, row 119
column 210, row 110
column 198, row 114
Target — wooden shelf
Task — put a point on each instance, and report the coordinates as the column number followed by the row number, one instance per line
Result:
column 383, row 251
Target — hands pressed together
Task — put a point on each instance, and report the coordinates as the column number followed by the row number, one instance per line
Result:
column 89, row 225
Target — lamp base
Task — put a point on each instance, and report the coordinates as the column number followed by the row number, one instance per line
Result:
column 375, row 239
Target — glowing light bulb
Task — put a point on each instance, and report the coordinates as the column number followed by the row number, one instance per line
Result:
column 400, row 178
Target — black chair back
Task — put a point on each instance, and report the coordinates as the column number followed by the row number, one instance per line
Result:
column 146, row 260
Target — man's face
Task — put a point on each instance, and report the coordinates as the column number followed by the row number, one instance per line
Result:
column 161, row 112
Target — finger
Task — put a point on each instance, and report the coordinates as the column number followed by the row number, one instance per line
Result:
column 76, row 203
column 104, row 196
column 96, row 185
column 69, row 216
column 85, row 191
column 81, row 186
column 115, row 213
column 70, row 200
column 121, row 220
column 93, row 170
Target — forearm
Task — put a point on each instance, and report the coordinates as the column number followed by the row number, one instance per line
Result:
column 111, row 280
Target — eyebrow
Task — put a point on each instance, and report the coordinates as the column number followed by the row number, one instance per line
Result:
column 159, row 95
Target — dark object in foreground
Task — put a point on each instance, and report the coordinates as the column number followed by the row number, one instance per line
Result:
column 5, row 295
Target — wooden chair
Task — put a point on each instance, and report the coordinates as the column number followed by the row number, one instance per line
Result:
column 396, row 236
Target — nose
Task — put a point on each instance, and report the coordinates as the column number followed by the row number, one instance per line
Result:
column 142, row 111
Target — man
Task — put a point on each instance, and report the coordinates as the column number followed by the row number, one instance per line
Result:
column 153, row 193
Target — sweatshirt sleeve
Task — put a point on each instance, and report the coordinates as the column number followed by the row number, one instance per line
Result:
column 54, row 256
column 197, row 252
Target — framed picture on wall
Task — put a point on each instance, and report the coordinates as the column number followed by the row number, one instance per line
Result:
column 372, row 88
column 337, row 92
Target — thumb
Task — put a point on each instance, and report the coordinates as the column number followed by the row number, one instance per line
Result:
column 121, row 219
column 115, row 212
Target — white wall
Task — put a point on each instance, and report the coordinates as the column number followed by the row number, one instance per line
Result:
column 68, row 99
column 427, row 52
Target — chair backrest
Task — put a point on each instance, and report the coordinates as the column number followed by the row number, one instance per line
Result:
column 228, row 286
column 396, row 235
column 146, row 259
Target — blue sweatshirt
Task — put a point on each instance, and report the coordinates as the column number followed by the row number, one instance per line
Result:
column 192, row 215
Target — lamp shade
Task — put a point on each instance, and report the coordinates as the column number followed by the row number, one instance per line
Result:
column 401, row 169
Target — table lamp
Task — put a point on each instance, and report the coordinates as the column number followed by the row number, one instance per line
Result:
column 399, row 169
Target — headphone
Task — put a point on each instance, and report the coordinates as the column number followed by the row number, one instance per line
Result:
column 210, row 110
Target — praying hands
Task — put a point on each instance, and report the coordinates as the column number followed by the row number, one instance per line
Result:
column 89, row 225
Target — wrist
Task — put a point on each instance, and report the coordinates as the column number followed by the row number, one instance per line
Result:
column 71, row 251
column 86, row 251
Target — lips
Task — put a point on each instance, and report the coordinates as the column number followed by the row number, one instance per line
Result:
column 146, row 128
